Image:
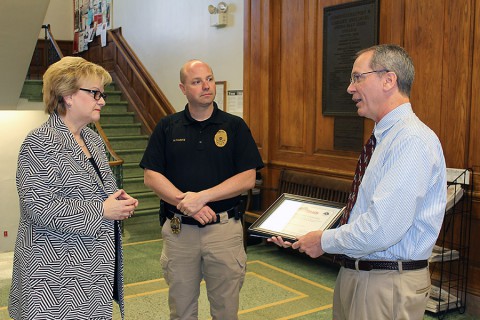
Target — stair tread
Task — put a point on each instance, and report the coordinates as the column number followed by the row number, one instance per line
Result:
column 117, row 102
column 132, row 137
column 119, row 114
column 120, row 125
column 145, row 212
column 33, row 81
column 148, row 209
column 131, row 164
column 133, row 179
column 130, row 150
column 142, row 193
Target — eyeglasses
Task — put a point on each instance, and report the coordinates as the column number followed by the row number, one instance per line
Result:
column 96, row 94
column 355, row 78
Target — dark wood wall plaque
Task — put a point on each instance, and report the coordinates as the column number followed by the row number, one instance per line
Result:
column 348, row 134
column 347, row 28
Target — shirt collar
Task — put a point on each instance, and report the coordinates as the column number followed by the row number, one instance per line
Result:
column 390, row 119
column 214, row 118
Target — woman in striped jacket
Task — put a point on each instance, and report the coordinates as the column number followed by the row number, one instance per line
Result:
column 68, row 256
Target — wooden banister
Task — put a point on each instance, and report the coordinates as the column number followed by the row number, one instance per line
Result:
column 138, row 87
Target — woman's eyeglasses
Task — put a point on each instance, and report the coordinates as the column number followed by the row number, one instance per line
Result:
column 96, row 94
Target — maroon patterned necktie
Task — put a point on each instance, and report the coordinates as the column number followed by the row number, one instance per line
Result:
column 362, row 164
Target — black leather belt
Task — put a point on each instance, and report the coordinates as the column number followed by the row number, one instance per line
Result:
column 191, row 221
column 367, row 265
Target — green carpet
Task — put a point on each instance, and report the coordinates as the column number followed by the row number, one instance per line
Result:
column 279, row 284
column 269, row 292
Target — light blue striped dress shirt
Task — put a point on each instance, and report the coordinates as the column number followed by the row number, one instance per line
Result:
column 402, row 197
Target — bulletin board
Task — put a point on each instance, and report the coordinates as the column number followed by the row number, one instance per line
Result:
column 91, row 18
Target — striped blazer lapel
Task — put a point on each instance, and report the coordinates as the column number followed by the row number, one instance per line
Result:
column 97, row 149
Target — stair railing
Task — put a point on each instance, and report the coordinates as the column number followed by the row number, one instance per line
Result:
column 52, row 54
column 46, row 53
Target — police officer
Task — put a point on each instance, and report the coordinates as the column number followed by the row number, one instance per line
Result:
column 199, row 161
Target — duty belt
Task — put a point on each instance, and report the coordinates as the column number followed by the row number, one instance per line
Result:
column 231, row 213
column 367, row 265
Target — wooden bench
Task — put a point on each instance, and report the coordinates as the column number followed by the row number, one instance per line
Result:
column 309, row 185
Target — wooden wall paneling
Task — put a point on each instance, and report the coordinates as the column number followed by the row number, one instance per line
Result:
column 247, row 47
column 291, row 112
column 108, row 51
column 95, row 54
column 300, row 125
column 473, row 303
column 457, row 66
column 425, row 45
column 392, row 21
column 66, row 47
column 122, row 65
column 310, row 75
column 474, row 138
column 270, row 60
column 260, row 49
column 443, row 38
column 323, row 128
column 257, row 72
column 138, row 87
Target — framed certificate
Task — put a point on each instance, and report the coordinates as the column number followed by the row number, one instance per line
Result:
column 291, row 216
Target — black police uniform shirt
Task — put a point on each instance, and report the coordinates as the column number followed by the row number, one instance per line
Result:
column 197, row 155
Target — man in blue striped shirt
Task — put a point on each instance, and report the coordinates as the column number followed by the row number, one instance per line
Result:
column 400, row 205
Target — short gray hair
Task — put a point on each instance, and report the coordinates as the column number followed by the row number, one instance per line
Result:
column 395, row 59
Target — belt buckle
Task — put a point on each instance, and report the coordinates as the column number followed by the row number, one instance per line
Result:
column 175, row 225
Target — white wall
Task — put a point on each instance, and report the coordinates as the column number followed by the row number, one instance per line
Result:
column 14, row 126
column 60, row 17
column 165, row 34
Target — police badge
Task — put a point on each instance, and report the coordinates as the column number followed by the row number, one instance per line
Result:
column 176, row 225
column 221, row 138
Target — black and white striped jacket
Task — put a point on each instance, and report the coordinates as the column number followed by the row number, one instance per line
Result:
column 65, row 253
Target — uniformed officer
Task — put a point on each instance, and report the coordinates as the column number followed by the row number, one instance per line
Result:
column 199, row 161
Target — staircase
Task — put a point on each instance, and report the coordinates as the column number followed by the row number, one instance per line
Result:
column 125, row 137
column 32, row 90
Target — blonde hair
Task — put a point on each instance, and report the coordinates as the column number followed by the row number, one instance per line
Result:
column 63, row 78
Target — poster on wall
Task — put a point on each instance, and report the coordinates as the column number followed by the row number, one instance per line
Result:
column 91, row 18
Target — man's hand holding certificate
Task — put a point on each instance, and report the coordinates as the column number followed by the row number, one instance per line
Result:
column 290, row 217
column 309, row 243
